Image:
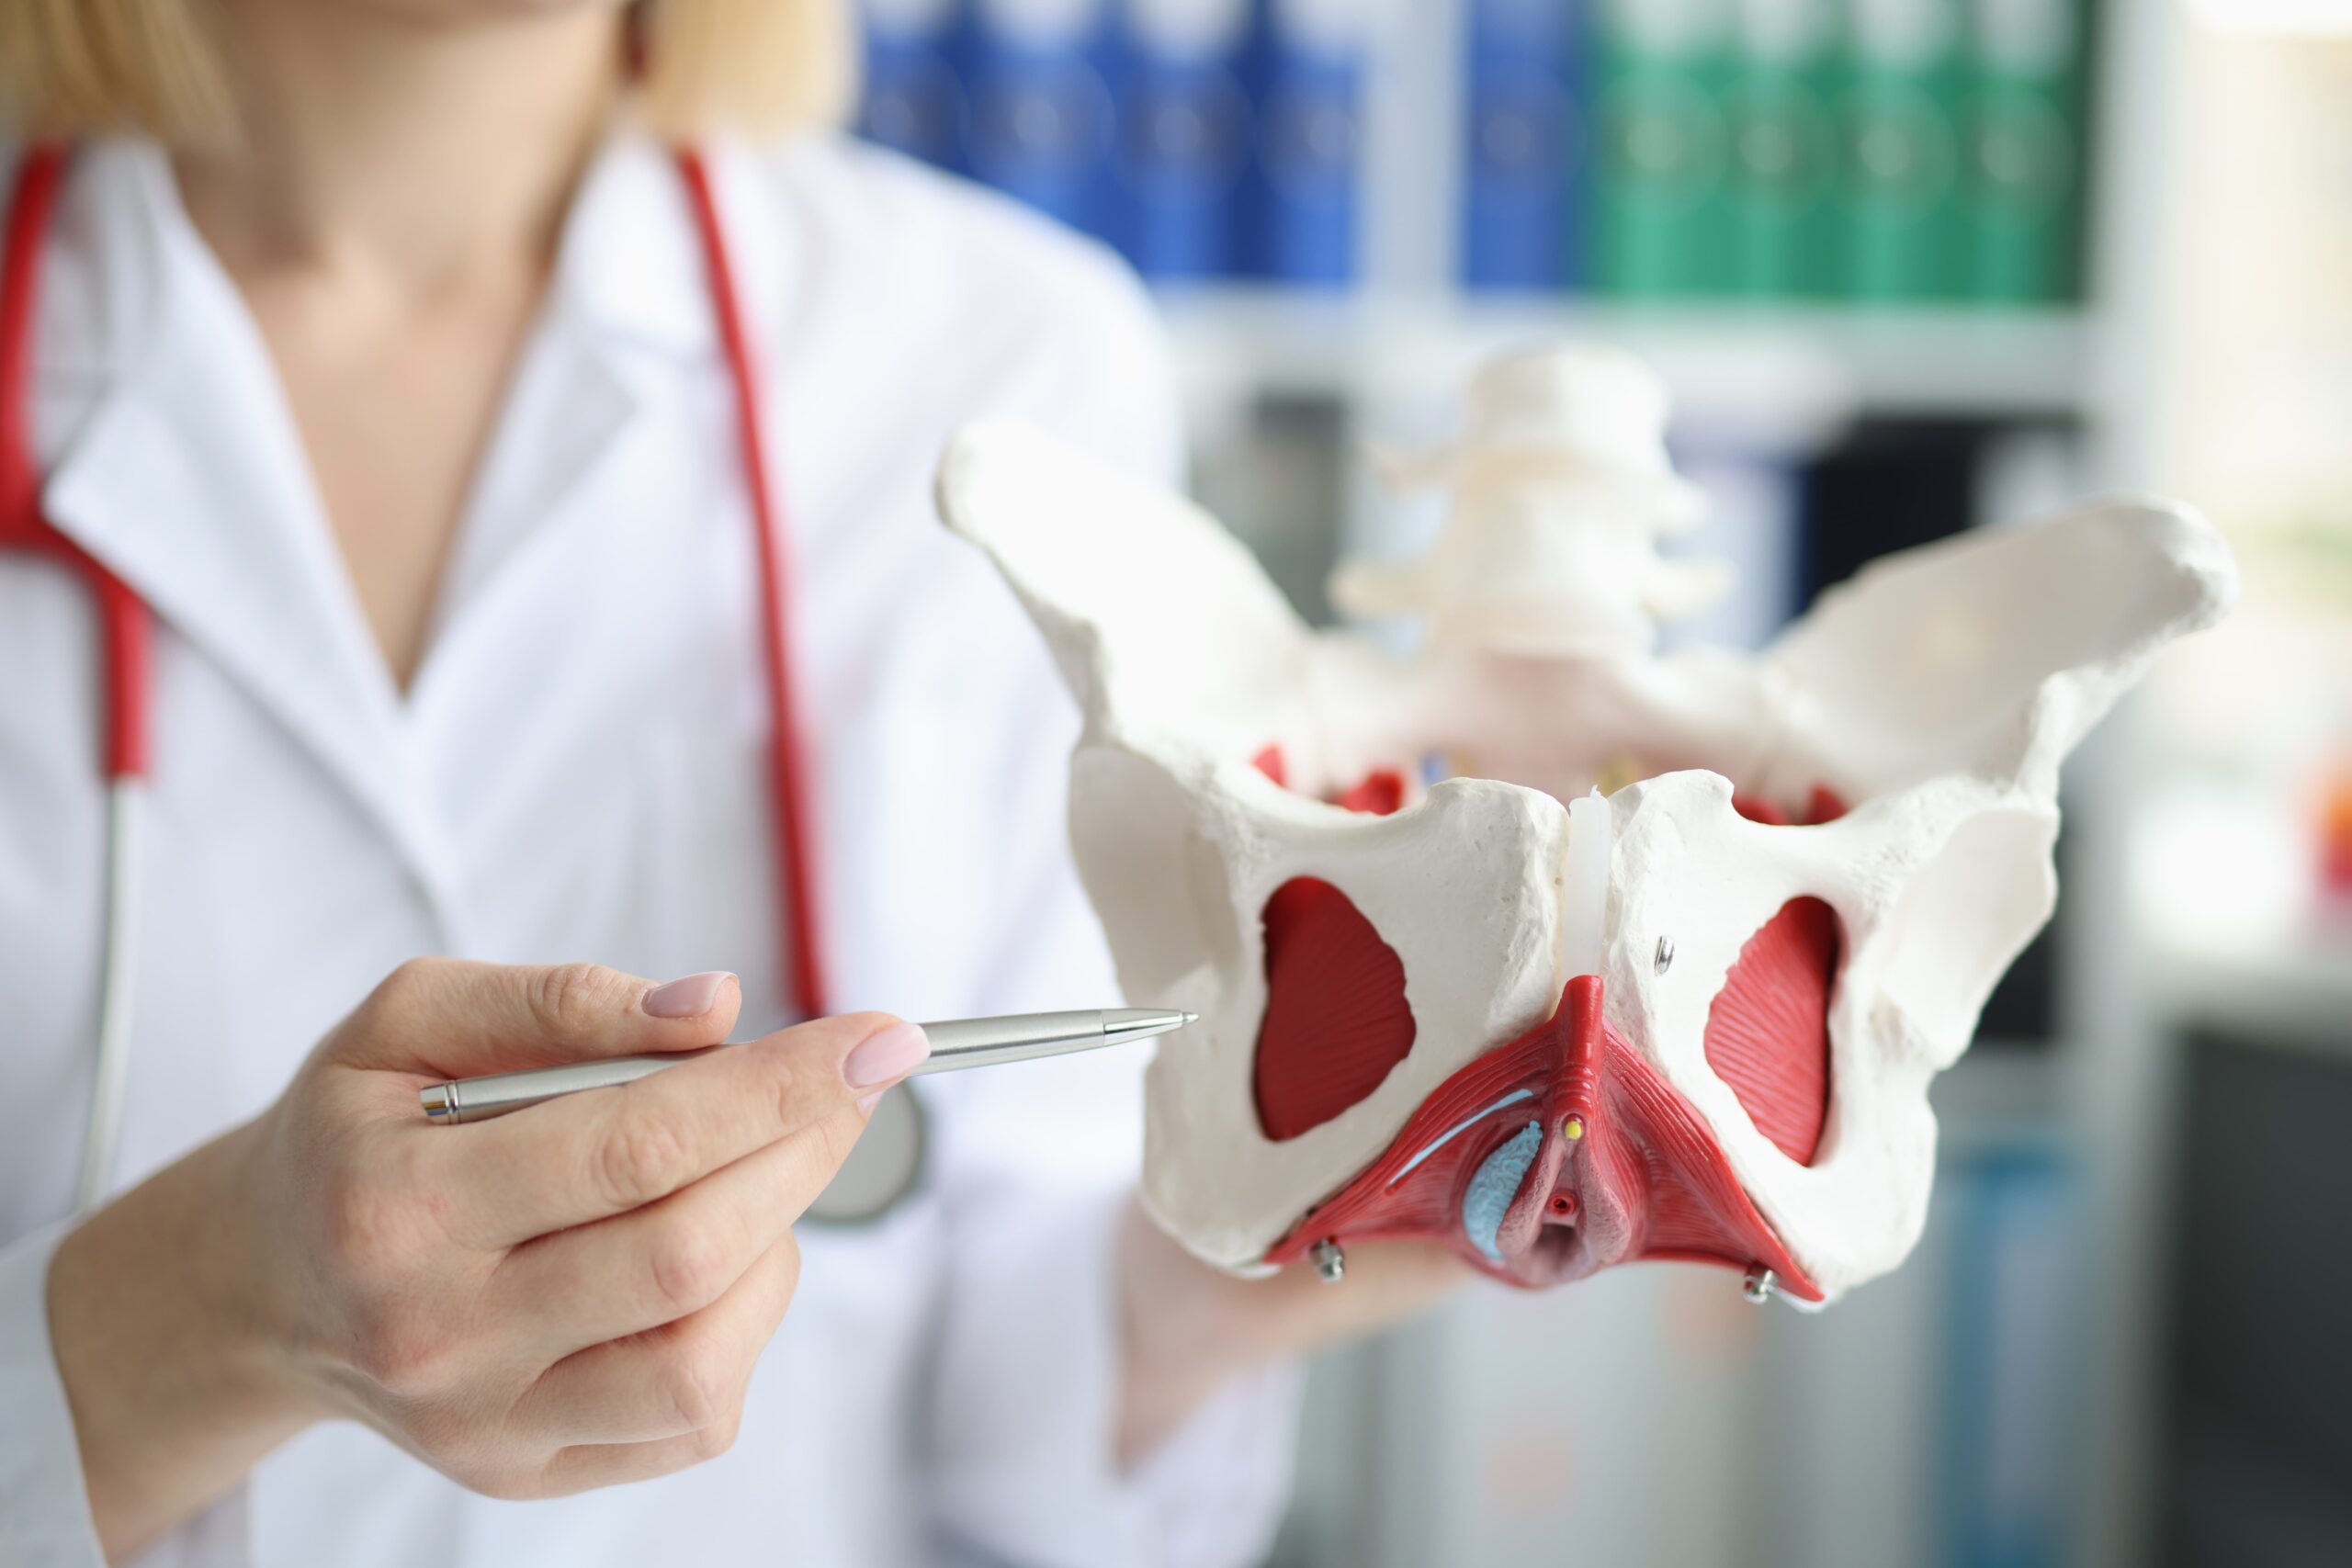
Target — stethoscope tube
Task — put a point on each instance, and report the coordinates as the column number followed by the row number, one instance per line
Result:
column 125, row 631
column 126, row 829
column 789, row 774
column 125, row 643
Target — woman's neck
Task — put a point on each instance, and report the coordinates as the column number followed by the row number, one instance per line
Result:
column 418, row 151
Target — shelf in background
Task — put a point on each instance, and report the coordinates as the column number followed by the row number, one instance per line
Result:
column 1782, row 372
column 2296, row 993
column 1998, row 1091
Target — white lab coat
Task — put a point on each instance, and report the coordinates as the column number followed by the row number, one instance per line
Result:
column 575, row 772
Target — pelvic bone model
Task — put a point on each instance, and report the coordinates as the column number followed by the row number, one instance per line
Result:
column 1559, row 952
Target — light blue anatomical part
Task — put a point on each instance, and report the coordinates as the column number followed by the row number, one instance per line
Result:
column 1491, row 1189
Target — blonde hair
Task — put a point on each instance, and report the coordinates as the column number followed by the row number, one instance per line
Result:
column 72, row 68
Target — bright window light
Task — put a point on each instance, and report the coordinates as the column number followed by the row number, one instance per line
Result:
column 2309, row 18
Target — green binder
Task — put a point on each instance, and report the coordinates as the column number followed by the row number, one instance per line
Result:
column 1910, row 234
column 2027, row 179
column 1663, row 219
column 1785, row 147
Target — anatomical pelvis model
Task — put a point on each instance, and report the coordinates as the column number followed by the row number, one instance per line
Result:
column 1537, row 941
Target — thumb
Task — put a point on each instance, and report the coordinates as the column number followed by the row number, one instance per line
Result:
column 456, row 1018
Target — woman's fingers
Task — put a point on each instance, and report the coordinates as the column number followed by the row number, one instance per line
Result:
column 684, row 1379
column 451, row 1018
column 587, row 1156
column 369, row 1243
column 669, row 1259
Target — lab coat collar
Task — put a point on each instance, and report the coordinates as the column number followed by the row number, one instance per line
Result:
column 629, row 306
column 182, row 472
column 630, row 312
column 632, row 263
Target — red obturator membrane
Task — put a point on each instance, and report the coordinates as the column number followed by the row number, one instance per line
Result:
column 1768, row 1033
column 1336, row 1021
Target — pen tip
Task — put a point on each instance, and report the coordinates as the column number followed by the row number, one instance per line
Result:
column 1192, row 1018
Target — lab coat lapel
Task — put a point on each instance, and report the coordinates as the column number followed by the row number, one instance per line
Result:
column 633, row 264
column 187, row 480
column 523, row 619
column 605, row 441
column 566, row 414
column 576, row 384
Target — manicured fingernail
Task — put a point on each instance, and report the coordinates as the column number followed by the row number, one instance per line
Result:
column 866, row 1102
column 885, row 1054
column 689, row 997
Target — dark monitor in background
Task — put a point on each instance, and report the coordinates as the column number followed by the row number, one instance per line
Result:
column 2257, row 1469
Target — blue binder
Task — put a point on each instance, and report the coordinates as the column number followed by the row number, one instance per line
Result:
column 1523, row 145
column 2009, row 1465
column 1307, row 80
column 1184, row 135
column 913, row 100
column 1041, row 121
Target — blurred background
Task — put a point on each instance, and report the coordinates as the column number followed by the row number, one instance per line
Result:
column 1912, row 267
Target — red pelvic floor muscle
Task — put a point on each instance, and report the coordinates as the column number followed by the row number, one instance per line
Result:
column 1646, row 1179
column 1336, row 1020
column 1768, row 1033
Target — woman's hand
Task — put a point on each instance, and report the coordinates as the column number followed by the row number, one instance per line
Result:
column 564, row 1298
column 1188, row 1327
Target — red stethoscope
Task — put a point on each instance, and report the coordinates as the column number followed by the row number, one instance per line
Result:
column 125, row 627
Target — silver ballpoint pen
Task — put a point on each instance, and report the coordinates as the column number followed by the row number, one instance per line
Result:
column 955, row 1043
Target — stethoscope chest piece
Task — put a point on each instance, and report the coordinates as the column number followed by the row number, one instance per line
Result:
column 884, row 1166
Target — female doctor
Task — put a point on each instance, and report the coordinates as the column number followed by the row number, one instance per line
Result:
column 488, row 509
